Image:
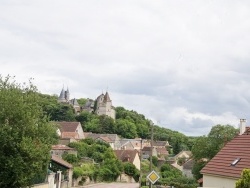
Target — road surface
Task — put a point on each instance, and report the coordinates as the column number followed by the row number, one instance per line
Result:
column 113, row 185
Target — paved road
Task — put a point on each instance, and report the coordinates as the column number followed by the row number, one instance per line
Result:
column 113, row 185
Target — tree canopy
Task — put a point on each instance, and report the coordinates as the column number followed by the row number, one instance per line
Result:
column 25, row 135
column 206, row 147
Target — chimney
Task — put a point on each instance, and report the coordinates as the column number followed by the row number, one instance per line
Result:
column 242, row 126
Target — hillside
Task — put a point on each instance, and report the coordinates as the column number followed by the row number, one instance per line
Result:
column 128, row 123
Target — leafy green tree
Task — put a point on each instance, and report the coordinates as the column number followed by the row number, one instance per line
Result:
column 25, row 135
column 71, row 158
column 93, row 125
column 110, row 168
column 206, row 147
column 244, row 181
column 155, row 160
column 131, row 170
column 218, row 137
column 198, row 165
column 201, row 148
column 82, row 101
column 107, row 124
column 126, row 128
column 84, row 117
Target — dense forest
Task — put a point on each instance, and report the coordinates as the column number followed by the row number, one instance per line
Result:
column 128, row 123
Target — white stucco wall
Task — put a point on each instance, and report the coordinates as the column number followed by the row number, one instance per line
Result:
column 218, row 182
column 137, row 162
column 80, row 131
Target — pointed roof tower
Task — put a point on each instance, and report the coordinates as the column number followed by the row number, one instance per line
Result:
column 106, row 97
column 67, row 94
column 62, row 95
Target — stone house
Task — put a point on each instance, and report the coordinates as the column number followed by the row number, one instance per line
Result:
column 112, row 139
column 131, row 156
column 63, row 170
column 187, row 168
column 146, row 152
column 70, row 130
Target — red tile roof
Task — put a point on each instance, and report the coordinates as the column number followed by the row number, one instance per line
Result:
column 162, row 151
column 68, row 126
column 221, row 164
column 61, row 147
column 61, row 161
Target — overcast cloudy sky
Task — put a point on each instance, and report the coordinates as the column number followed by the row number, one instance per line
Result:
column 183, row 64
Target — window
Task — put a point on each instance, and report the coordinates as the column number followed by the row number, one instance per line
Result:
column 235, row 162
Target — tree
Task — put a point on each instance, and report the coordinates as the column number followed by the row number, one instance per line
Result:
column 107, row 124
column 25, row 135
column 206, row 147
column 71, row 158
column 244, row 181
column 131, row 170
column 110, row 168
column 126, row 129
column 218, row 137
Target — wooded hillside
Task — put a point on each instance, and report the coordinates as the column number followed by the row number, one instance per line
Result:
column 128, row 123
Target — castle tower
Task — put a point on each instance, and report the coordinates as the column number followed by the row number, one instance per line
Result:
column 61, row 97
column 67, row 95
column 104, row 106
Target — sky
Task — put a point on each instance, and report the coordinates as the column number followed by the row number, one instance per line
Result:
column 183, row 64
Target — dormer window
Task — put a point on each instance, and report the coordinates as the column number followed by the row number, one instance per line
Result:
column 235, row 161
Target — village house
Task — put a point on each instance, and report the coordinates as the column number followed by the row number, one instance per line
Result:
column 131, row 144
column 63, row 171
column 131, row 156
column 112, row 139
column 69, row 132
column 60, row 150
column 146, row 152
column 225, row 168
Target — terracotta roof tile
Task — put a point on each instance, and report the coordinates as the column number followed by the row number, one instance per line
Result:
column 221, row 164
column 61, row 147
column 68, row 126
column 61, row 161
column 162, row 151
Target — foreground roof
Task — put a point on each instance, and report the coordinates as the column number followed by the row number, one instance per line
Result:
column 231, row 159
column 60, row 161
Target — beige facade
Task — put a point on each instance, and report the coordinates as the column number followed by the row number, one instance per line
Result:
column 218, row 182
column 137, row 162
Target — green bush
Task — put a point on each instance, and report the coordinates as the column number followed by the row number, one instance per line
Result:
column 77, row 172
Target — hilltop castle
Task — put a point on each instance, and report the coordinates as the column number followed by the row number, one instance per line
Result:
column 101, row 106
column 104, row 106
column 64, row 97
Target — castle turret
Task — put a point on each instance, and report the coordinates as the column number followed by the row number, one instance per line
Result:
column 61, row 98
column 104, row 106
column 67, row 94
